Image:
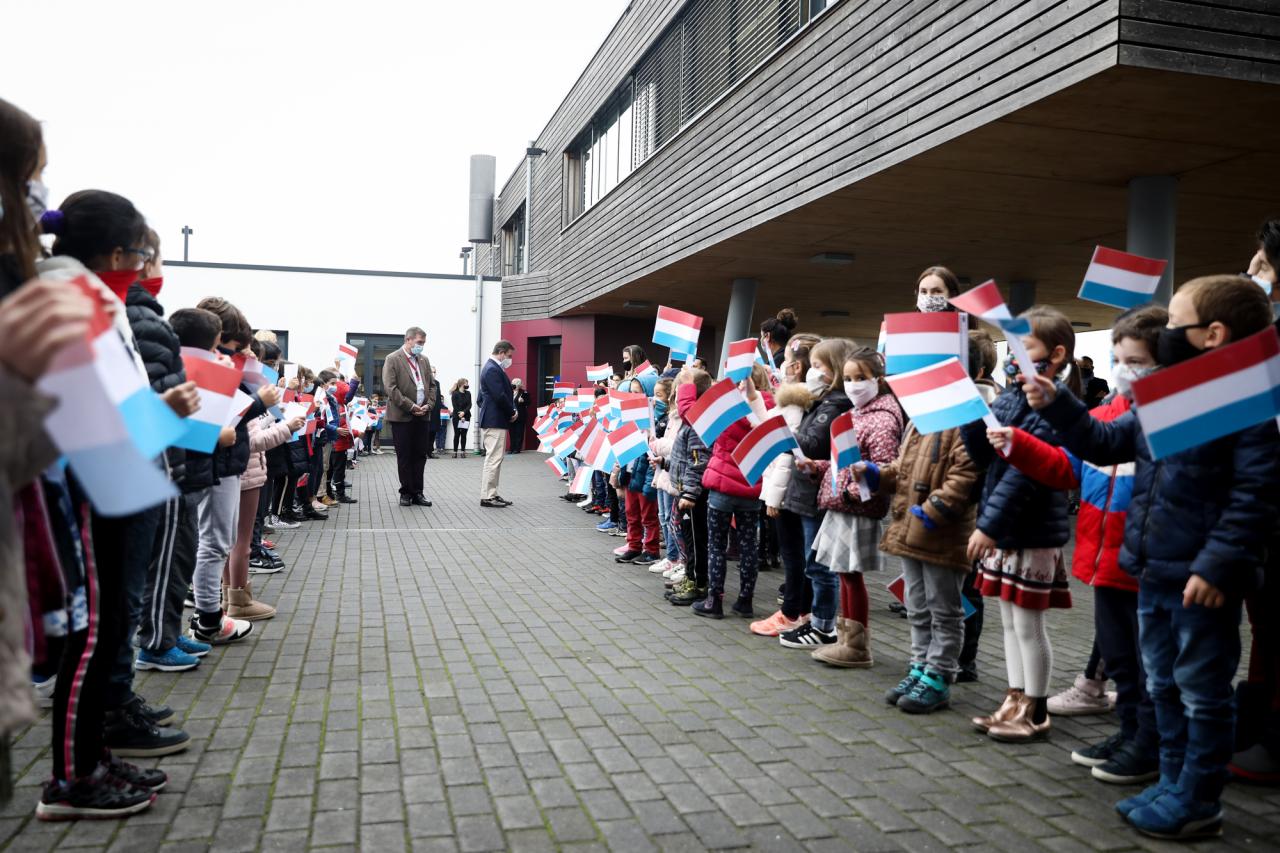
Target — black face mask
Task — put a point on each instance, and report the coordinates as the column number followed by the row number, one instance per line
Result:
column 1174, row 348
column 626, row 365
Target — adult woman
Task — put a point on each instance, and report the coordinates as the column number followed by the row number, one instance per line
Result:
column 460, row 397
column 775, row 332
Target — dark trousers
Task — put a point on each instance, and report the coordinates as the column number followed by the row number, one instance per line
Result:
column 315, row 474
column 1190, row 655
column 442, row 435
column 412, row 439
column 797, row 594
column 172, row 564
column 972, row 625
column 1259, row 695
column 718, row 523
column 693, row 528
column 266, row 500
column 138, row 540
column 517, row 436
column 1115, row 625
column 459, row 436
column 337, row 471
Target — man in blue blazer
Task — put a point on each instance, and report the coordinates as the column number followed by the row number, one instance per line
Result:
column 497, row 412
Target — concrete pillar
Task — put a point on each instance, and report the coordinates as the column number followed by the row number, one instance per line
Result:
column 1022, row 295
column 1153, row 220
column 737, row 323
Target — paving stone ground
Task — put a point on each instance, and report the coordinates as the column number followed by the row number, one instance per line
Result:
column 468, row 679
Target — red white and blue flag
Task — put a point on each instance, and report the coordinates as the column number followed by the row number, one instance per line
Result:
column 1120, row 279
column 845, row 450
column 347, row 359
column 599, row 372
column 881, row 340
column 985, row 301
column 628, row 443
column 916, row 340
column 565, row 442
column 582, row 400
column 216, row 384
column 940, row 397
column 715, row 410
column 581, row 481
column 766, row 441
column 599, row 452
column 1221, row 392
column 561, row 390
column 677, row 330
column 634, row 408
column 742, row 356
column 555, row 463
column 645, row 368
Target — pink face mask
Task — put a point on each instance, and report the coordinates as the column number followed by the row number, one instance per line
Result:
column 686, row 396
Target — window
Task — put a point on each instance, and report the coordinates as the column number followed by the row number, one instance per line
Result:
column 710, row 46
column 513, row 261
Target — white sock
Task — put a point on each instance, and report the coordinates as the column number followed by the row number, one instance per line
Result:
column 1012, row 649
column 1037, row 654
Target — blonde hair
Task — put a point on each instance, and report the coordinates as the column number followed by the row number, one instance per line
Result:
column 833, row 352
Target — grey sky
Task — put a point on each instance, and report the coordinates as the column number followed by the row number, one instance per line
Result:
column 304, row 133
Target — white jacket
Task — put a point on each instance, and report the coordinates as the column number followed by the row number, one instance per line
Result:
column 793, row 401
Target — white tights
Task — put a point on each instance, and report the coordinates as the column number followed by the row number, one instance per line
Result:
column 1027, row 653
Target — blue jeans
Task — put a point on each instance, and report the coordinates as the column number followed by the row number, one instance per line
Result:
column 666, row 503
column 1190, row 655
column 826, row 584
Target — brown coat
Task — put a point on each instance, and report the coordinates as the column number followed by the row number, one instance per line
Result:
column 402, row 391
column 935, row 472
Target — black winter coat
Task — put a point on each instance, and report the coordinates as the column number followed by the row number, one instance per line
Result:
column 1016, row 511
column 1207, row 511
column 814, row 437
column 461, row 405
column 161, row 353
column 232, row 461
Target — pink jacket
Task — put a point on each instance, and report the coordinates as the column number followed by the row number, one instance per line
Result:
column 722, row 474
column 264, row 435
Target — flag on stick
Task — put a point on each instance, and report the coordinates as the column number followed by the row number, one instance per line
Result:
column 940, row 397
column 1120, row 279
column 845, row 451
column 985, row 302
column 677, row 330
column 769, row 439
column 916, row 340
column 217, row 386
column 628, row 442
column 716, row 409
column 742, row 355
column 599, row 372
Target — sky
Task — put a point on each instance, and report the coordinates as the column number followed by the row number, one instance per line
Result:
column 324, row 133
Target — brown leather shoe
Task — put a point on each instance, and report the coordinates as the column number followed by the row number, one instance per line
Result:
column 1019, row 728
column 850, row 650
column 1012, row 699
column 328, row 501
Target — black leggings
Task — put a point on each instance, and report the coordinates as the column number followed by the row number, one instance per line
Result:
column 459, row 438
column 797, row 593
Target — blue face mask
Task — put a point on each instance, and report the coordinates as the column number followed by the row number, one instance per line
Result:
column 659, row 408
column 416, row 349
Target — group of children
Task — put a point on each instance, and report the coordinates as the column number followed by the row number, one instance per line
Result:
column 106, row 593
column 1173, row 548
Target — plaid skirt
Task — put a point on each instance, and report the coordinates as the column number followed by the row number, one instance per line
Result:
column 848, row 543
column 1034, row 578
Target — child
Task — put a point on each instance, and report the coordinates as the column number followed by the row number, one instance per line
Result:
column 848, row 540
column 637, row 478
column 1019, row 535
column 732, row 500
column 982, row 366
column 688, row 463
column 659, row 448
column 1196, row 536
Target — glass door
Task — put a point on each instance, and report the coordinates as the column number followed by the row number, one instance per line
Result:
column 548, row 363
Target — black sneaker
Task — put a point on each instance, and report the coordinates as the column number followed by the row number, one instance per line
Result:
column 710, row 607
column 130, row 735
column 1098, row 753
column 344, row 498
column 100, row 795
column 806, row 637
column 646, row 560
column 689, row 596
column 742, row 607
column 157, row 715
column 147, row 778
column 1130, row 764
column 627, row 556
column 893, row 694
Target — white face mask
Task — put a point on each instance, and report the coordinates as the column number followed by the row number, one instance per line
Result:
column 37, row 199
column 1123, row 376
column 506, row 363
column 931, row 304
column 861, row 391
column 1263, row 283
column 815, row 381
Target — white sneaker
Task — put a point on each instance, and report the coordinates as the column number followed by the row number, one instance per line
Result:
column 672, row 569
column 44, row 691
column 583, row 504
column 678, row 575
column 660, row 566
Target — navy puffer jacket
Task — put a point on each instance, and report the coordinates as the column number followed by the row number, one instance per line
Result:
column 1207, row 511
column 1016, row 511
column 161, row 353
column 814, row 437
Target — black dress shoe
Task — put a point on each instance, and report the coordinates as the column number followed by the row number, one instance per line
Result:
column 406, row 501
column 492, row 503
column 419, row 500
column 500, row 499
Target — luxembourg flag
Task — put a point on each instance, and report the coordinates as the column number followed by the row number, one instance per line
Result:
column 986, row 302
column 677, row 330
column 742, row 355
column 1120, row 279
column 645, row 369
column 347, row 359
column 217, row 386
column 564, row 443
column 634, row 408
column 715, row 410
column 555, row 463
column 628, row 443
column 916, row 340
column 584, row 400
column 599, row 452
column 1212, row 395
column 845, row 450
column 881, row 341
column 599, row 372
column 581, row 484
column 561, row 390
column 771, row 438
column 940, row 397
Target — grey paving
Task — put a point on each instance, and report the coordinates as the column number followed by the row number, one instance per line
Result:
column 469, row 679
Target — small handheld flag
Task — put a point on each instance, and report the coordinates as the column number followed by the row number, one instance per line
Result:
column 581, row 484
column 716, row 409
column 599, row 372
column 845, row 451
column 561, row 390
column 916, row 340
column 217, row 386
column 347, row 359
column 742, row 355
column 940, row 397
column 677, row 330
column 555, row 463
column 644, row 368
column 766, row 441
column 1221, row 392
column 628, row 443
column 1120, row 279
column 986, row 302
column 634, row 408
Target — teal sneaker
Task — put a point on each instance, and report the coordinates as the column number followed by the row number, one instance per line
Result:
column 173, row 660
column 929, row 693
column 905, row 685
column 195, row 648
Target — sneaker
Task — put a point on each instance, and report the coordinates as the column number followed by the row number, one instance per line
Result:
column 1130, row 764
column 680, row 587
column 146, row 778
column 660, row 567
column 281, row 523
column 623, row 554
column 1255, row 764
column 130, row 735
column 806, row 637
column 157, row 715
column 691, row 594
column 967, row 674
column 264, row 565
column 268, row 545
column 618, row 531
column 99, row 795
column 711, row 607
column 677, row 576
column 1086, row 696
column 1148, row 796
column 44, row 691
column 904, row 686
column 606, row 526
column 775, row 625
column 171, row 660
column 228, row 631
column 583, row 504
column 671, row 569
column 646, row 560
column 189, row 600
column 929, row 693
column 193, row 647
column 1098, row 753
column 1176, row 817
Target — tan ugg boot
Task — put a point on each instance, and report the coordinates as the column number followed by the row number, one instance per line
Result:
column 850, row 650
column 241, row 605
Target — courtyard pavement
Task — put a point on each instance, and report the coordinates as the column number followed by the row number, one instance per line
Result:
column 460, row 678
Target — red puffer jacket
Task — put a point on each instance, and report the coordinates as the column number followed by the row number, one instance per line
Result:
column 722, row 474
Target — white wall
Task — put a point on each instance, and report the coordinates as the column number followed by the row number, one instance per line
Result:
column 319, row 310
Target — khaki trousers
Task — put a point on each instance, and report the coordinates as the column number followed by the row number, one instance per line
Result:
column 495, row 445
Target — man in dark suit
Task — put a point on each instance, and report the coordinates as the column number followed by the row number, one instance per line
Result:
column 497, row 413
column 1095, row 387
column 406, row 376
column 521, row 399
